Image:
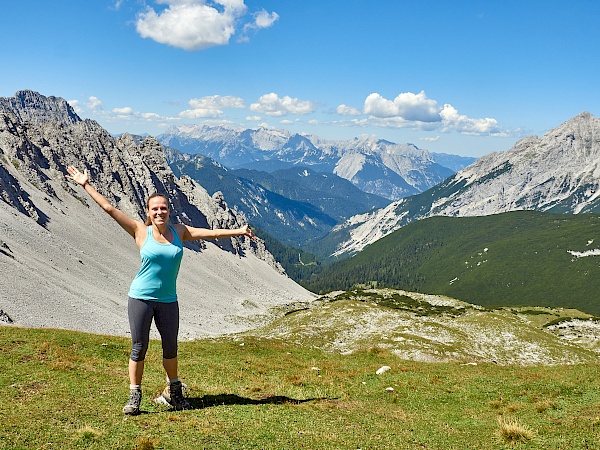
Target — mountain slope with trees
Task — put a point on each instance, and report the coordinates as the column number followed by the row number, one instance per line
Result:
column 515, row 258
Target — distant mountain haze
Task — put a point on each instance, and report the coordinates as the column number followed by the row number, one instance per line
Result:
column 295, row 205
column 293, row 222
column 374, row 165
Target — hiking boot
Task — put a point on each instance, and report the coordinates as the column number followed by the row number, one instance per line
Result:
column 173, row 396
column 132, row 408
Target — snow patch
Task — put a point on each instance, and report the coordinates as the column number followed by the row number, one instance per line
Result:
column 594, row 252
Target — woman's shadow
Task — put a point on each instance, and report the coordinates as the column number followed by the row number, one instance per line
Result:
column 209, row 401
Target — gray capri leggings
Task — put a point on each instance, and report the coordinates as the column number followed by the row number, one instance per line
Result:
column 166, row 318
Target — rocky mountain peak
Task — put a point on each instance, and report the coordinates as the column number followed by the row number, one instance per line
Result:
column 66, row 264
column 374, row 165
column 40, row 136
column 30, row 106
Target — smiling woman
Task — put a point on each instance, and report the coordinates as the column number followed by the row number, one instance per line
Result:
column 153, row 292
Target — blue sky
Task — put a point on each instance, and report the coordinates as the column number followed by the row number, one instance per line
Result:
column 462, row 77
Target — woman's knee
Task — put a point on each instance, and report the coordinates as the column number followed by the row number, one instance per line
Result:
column 138, row 351
column 169, row 350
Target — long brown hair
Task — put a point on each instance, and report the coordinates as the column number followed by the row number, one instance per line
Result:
column 156, row 194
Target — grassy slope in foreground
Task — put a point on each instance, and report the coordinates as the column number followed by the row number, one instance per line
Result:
column 514, row 258
column 65, row 390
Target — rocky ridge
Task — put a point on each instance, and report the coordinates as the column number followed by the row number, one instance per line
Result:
column 43, row 144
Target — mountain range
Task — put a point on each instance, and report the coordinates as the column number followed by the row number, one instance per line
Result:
column 374, row 165
column 558, row 172
column 294, row 205
column 66, row 264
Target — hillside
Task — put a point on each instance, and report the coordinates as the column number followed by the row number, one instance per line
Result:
column 558, row 172
column 516, row 258
column 332, row 194
column 298, row 264
column 434, row 328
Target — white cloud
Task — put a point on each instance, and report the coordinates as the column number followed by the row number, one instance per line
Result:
column 198, row 24
column 420, row 112
column 211, row 106
column 286, row 122
column 262, row 19
column 154, row 116
column 93, row 103
column 254, row 118
column 352, row 123
column 272, row 105
column 75, row 105
column 452, row 120
column 409, row 106
column 430, row 139
column 126, row 111
column 344, row 110
column 217, row 102
column 200, row 112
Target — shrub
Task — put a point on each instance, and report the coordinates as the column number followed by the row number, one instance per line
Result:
column 511, row 432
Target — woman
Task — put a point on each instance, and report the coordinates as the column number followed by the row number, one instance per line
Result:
column 152, row 294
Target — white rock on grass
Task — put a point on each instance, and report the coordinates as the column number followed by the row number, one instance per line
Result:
column 382, row 369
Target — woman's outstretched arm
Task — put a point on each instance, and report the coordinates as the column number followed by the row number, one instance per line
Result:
column 192, row 233
column 127, row 223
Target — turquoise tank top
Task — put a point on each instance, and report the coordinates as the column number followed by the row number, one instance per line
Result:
column 157, row 278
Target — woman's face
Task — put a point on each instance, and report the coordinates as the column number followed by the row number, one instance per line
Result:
column 158, row 210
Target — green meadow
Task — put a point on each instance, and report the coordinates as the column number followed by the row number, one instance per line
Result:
column 62, row 389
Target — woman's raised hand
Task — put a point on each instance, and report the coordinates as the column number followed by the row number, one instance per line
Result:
column 78, row 177
column 246, row 231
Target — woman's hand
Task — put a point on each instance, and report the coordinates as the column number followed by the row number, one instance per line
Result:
column 246, row 231
column 78, row 177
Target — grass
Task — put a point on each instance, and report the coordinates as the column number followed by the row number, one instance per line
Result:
column 511, row 432
column 62, row 389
